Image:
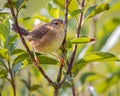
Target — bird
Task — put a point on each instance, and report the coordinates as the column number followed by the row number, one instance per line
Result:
column 46, row 38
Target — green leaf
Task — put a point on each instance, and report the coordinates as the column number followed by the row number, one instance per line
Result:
column 11, row 42
column 17, row 51
column 49, row 8
column 12, row 39
column 3, row 73
column 7, row 26
column 94, row 10
column 105, row 84
column 2, row 39
column 42, row 59
column 4, row 53
column 74, row 13
column 53, row 11
column 42, row 18
column 20, row 4
column 94, row 57
column 60, row 3
column 7, row 5
column 77, row 67
column 4, row 30
column 35, row 87
column 25, row 83
column 2, row 62
column 99, row 57
column 68, row 44
column 72, row 4
column 84, row 76
column 47, row 60
column 20, row 58
column 112, row 75
column 94, row 77
column 16, row 67
column 82, row 40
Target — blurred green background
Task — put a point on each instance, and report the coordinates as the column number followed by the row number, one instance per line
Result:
column 92, row 79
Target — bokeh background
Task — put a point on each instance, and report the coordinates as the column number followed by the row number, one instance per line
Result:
column 94, row 79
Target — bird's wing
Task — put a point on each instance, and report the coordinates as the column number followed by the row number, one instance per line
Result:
column 38, row 33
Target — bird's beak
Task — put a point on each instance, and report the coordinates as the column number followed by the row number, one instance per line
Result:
column 62, row 25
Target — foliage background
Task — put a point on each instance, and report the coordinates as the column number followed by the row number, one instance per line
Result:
column 94, row 79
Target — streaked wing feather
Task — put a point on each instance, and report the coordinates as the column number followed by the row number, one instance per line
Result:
column 39, row 32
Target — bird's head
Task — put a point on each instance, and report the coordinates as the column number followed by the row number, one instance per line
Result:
column 57, row 23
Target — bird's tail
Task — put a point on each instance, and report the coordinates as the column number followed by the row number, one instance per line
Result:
column 24, row 32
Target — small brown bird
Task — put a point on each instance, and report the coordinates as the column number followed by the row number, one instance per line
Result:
column 46, row 38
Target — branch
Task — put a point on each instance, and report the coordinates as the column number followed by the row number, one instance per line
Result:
column 12, row 78
column 64, row 51
column 26, row 47
column 64, row 41
column 73, row 88
column 29, row 82
column 60, row 73
column 65, row 27
column 75, row 46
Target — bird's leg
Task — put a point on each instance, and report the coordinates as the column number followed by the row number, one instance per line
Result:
column 60, row 59
column 35, row 56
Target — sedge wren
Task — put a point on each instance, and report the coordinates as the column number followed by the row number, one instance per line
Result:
column 46, row 38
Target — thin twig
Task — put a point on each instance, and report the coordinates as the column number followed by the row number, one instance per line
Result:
column 64, row 41
column 26, row 47
column 75, row 46
column 56, row 90
column 64, row 51
column 77, row 35
column 12, row 80
column 60, row 73
column 65, row 28
column 73, row 89
column 73, row 86
column 29, row 82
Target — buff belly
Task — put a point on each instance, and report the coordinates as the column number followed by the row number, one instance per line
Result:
column 48, row 47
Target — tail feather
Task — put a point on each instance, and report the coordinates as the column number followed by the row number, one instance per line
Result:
column 24, row 32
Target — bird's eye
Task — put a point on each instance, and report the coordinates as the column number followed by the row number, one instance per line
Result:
column 55, row 23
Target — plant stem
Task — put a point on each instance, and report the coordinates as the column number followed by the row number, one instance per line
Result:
column 64, row 51
column 13, row 84
column 12, row 76
column 73, row 88
column 56, row 90
column 75, row 46
column 60, row 73
column 26, row 47
column 65, row 28
column 29, row 81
